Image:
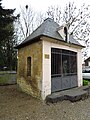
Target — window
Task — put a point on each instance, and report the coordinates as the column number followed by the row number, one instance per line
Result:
column 29, row 66
column 65, row 32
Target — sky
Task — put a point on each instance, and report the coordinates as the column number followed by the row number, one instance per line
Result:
column 40, row 5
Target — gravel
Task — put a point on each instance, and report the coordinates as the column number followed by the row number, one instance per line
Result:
column 15, row 105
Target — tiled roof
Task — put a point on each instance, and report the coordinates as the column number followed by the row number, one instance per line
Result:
column 47, row 28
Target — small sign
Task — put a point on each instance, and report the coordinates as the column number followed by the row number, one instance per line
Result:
column 46, row 56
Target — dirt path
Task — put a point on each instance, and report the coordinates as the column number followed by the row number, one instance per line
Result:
column 15, row 105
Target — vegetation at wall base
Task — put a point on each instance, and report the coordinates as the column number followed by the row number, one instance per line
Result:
column 85, row 82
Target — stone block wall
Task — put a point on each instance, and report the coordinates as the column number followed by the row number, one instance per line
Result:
column 30, row 84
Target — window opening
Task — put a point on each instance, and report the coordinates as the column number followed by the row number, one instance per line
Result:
column 29, row 66
column 65, row 32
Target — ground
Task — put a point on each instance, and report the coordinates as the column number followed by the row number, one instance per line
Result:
column 15, row 105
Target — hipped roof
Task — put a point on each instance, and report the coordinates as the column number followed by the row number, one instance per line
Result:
column 48, row 28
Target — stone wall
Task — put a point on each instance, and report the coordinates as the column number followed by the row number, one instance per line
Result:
column 30, row 84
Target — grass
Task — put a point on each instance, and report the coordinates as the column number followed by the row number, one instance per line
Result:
column 6, row 78
column 85, row 82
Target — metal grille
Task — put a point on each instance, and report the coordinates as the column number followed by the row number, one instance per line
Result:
column 63, row 62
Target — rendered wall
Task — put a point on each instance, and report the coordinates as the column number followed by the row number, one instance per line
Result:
column 49, row 43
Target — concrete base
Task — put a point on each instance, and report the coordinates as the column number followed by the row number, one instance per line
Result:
column 75, row 94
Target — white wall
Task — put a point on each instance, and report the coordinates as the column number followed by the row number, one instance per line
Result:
column 89, row 63
column 46, row 73
column 79, row 67
column 46, row 76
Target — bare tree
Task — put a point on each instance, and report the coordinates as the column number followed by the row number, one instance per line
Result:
column 76, row 19
column 25, row 21
column 55, row 13
column 40, row 17
column 28, row 21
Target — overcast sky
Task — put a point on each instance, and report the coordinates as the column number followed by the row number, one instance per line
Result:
column 41, row 5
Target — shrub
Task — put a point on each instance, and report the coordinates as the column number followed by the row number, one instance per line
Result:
column 85, row 82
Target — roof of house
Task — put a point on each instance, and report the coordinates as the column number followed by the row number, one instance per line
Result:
column 48, row 28
column 88, row 59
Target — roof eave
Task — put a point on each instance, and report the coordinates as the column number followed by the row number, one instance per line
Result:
column 23, row 44
column 37, row 38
